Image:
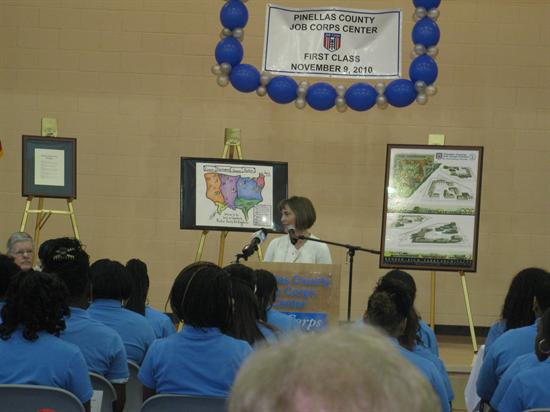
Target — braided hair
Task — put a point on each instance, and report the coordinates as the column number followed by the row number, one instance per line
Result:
column 137, row 270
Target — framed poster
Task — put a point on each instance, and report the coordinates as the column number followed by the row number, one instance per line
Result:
column 431, row 207
column 49, row 167
column 232, row 194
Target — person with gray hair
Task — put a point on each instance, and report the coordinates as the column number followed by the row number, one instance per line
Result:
column 343, row 369
column 20, row 246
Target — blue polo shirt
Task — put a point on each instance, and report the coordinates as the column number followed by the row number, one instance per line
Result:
column 286, row 324
column 135, row 331
column 427, row 338
column 46, row 361
column 501, row 354
column 101, row 346
column 162, row 325
column 269, row 335
column 194, row 361
column 522, row 363
column 528, row 390
column 438, row 363
column 496, row 329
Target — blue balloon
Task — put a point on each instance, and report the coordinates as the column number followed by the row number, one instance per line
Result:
column 321, row 96
column 423, row 68
column 234, row 14
column 245, row 78
column 229, row 50
column 426, row 32
column 361, row 96
column 400, row 93
column 427, row 4
column 282, row 89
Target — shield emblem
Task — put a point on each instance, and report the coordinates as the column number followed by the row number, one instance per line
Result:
column 331, row 41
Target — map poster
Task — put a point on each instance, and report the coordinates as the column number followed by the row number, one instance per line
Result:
column 232, row 194
column 431, row 207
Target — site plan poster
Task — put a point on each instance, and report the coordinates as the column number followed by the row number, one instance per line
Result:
column 431, row 207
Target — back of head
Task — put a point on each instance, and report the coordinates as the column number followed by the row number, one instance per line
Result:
column 137, row 270
column 110, row 280
column 517, row 310
column 66, row 258
column 388, row 307
column 404, row 277
column 36, row 301
column 17, row 237
column 344, row 369
column 8, row 269
column 266, row 291
column 244, row 273
column 201, row 296
column 303, row 210
column 244, row 320
column 542, row 293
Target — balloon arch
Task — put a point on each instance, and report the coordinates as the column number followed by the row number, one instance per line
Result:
column 246, row 78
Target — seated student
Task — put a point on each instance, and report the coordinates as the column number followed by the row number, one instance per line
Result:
column 111, row 286
column 388, row 308
column 101, row 346
column 266, row 293
column 511, row 345
column 161, row 323
column 517, row 310
column 529, row 388
column 30, row 351
column 342, row 369
column 8, row 269
column 201, row 359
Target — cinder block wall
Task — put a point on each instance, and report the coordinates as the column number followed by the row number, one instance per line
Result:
column 131, row 80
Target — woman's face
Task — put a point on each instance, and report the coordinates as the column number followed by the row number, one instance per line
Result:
column 288, row 217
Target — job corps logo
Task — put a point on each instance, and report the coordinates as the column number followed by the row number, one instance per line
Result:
column 332, row 41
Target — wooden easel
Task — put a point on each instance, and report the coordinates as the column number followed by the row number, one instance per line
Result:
column 441, row 141
column 232, row 143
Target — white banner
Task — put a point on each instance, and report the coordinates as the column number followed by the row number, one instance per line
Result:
column 333, row 42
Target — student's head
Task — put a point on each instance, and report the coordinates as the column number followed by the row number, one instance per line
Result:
column 20, row 246
column 244, row 322
column 542, row 294
column 517, row 310
column 298, row 212
column 36, row 301
column 66, row 258
column 8, row 269
column 266, row 291
column 201, row 296
column 343, row 369
column 244, row 273
column 137, row 270
column 404, row 277
column 388, row 308
column 110, row 280
column 542, row 341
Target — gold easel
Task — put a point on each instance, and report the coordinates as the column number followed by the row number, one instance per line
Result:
column 232, row 143
column 440, row 140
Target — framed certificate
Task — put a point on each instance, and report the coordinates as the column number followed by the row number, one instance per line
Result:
column 431, row 207
column 49, row 167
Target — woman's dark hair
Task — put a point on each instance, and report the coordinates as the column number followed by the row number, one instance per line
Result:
column 266, row 291
column 8, row 269
column 517, row 310
column 302, row 208
column 244, row 322
column 66, row 258
column 244, row 273
column 201, row 296
column 110, row 280
column 140, row 285
column 388, row 306
column 36, row 301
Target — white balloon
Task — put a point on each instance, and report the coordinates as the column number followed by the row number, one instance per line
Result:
column 261, row 91
column 340, row 101
column 433, row 14
column 304, row 84
column 226, row 68
column 421, row 99
column 226, row 32
column 341, row 89
column 420, row 86
column 380, row 87
column 300, row 102
column 342, row 109
column 223, row 80
column 381, row 102
column 419, row 49
column 216, row 69
column 265, row 78
column 433, row 51
column 301, row 91
column 421, row 12
column 431, row 90
column 238, row 33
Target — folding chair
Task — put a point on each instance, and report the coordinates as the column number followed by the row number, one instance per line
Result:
column 134, row 389
column 25, row 398
column 180, row 403
column 100, row 383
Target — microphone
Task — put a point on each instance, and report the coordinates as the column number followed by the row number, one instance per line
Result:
column 292, row 234
column 257, row 239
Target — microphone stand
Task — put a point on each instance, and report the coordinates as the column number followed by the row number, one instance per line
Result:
column 351, row 253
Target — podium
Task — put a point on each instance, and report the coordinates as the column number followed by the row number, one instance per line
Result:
column 308, row 292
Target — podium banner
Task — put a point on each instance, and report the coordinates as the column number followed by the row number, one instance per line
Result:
column 333, row 42
column 310, row 293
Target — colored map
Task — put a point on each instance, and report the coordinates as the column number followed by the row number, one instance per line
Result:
column 234, row 192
